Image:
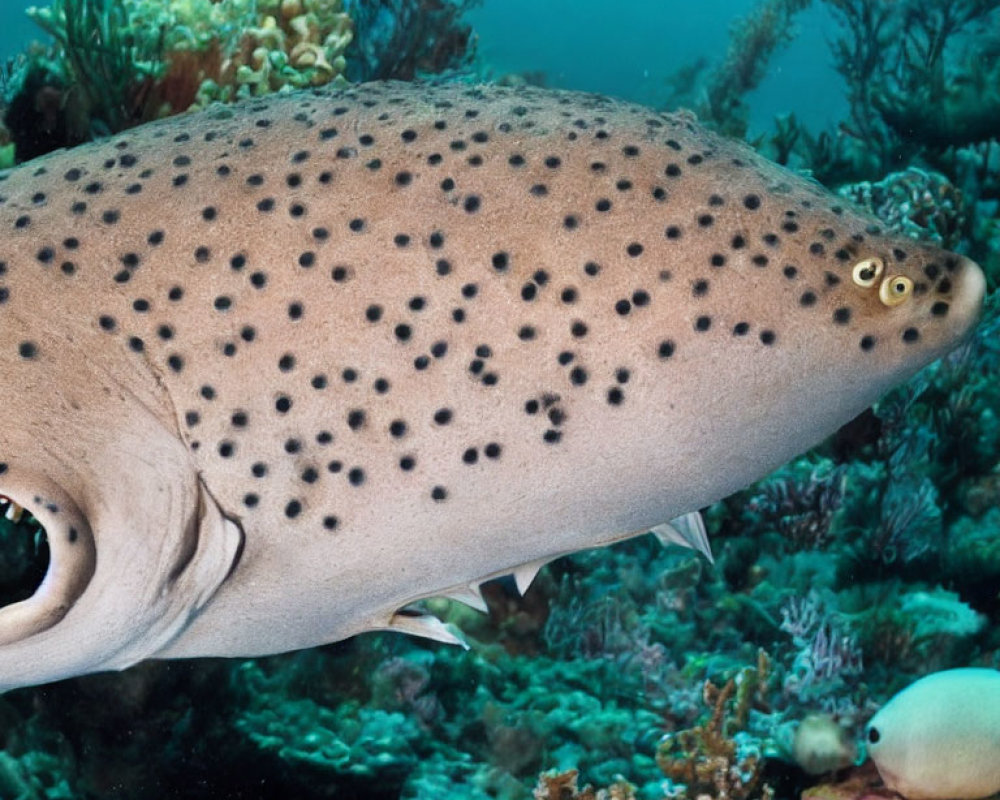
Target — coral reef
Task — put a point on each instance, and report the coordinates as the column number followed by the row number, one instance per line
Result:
column 716, row 759
column 621, row 668
column 915, row 80
column 121, row 62
column 917, row 203
column 407, row 39
column 563, row 786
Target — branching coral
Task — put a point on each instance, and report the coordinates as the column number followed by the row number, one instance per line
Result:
column 403, row 39
column 801, row 504
column 563, row 786
column 828, row 656
column 914, row 80
column 753, row 41
column 715, row 759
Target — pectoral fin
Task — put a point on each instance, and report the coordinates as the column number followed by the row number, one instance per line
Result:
column 687, row 531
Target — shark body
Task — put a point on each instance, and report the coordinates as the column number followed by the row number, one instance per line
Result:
column 274, row 371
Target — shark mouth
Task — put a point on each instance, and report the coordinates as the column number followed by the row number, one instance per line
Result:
column 24, row 552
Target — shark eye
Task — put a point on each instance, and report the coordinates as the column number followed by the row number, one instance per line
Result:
column 895, row 289
column 866, row 272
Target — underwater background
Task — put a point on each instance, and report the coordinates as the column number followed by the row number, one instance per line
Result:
column 640, row 670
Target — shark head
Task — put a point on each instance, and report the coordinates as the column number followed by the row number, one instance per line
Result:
column 135, row 542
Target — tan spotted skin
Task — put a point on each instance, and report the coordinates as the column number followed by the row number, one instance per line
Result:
column 408, row 337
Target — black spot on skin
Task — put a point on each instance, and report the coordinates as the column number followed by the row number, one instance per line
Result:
column 767, row 337
column 666, row 348
column 443, row 416
column 867, row 343
column 356, row 476
column 472, row 204
column 808, row 299
column 703, row 323
column 911, row 335
column 752, row 201
column 939, row 309
column 27, row 350
column 741, row 329
column 438, row 494
column 842, row 316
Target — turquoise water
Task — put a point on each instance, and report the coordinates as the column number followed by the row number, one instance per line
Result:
column 857, row 567
column 629, row 48
column 626, row 49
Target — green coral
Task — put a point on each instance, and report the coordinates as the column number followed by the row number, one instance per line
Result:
column 346, row 740
column 117, row 63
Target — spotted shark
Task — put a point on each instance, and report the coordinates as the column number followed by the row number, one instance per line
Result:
column 274, row 372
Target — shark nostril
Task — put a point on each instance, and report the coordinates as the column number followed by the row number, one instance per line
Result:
column 24, row 552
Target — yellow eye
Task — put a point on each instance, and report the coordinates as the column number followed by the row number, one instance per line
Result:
column 895, row 289
column 866, row 272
